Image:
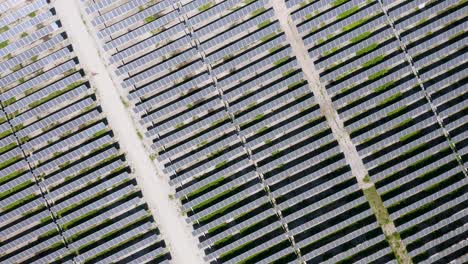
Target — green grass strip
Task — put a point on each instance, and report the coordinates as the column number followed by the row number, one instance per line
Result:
column 367, row 49
column 206, row 187
column 4, row 44
column 373, row 61
column 348, row 12
column 205, row 6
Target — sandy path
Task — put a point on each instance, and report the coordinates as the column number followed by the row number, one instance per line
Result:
column 336, row 124
column 175, row 231
column 320, row 94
